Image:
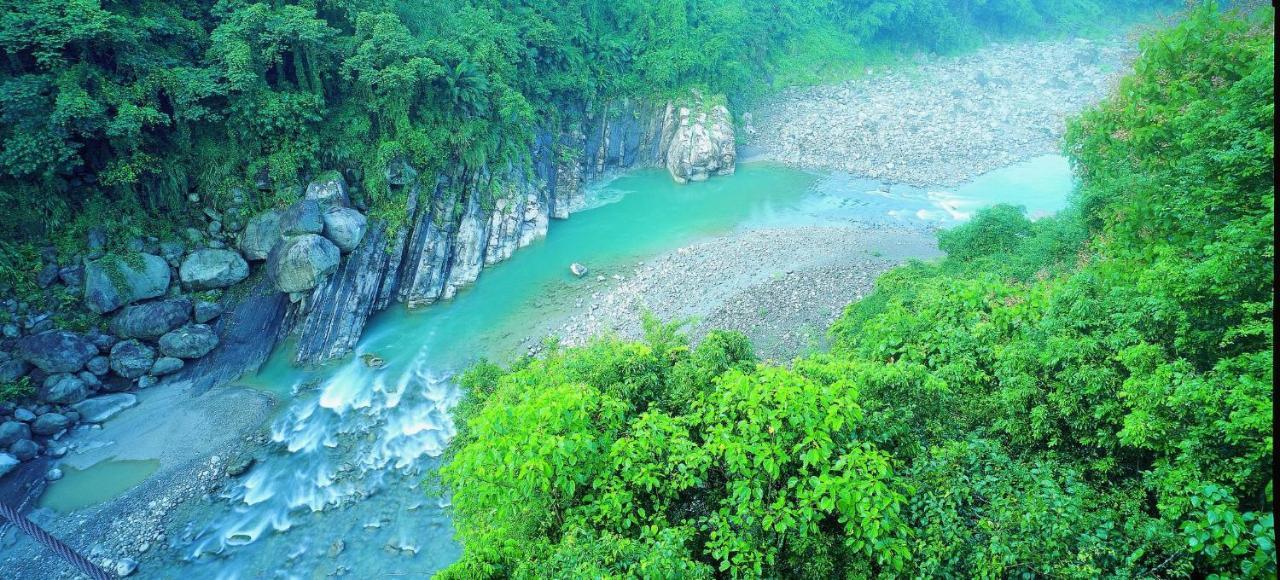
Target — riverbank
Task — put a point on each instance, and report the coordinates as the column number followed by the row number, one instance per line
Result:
column 942, row 120
column 781, row 287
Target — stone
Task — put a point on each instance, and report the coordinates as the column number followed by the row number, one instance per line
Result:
column 50, row 424
column 112, row 281
column 172, row 251
column 260, row 234
column 192, row 341
column 13, row 369
column 125, row 567
column 239, row 465
column 57, row 351
column 207, row 269
column 329, row 190
column 302, row 217
column 11, row 331
column 577, row 269
column 206, row 311
column 299, row 263
column 166, row 365
column 12, row 431
column 24, row 449
column 47, row 276
column 344, row 227
column 23, row 414
column 132, row 359
column 147, row 381
column 53, row 474
column 98, row 365
column 91, row 380
column 150, row 320
column 7, row 463
column 72, row 276
column 99, row 409
column 64, row 389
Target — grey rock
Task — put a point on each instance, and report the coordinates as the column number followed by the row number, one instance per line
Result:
column 99, row 409
column 11, row 431
column 102, row 340
column 47, row 276
column 53, row 474
column 302, row 217
column 7, row 463
column 50, row 423
column 206, row 269
column 90, row 380
column 98, row 365
column 206, row 311
column 23, row 414
column 125, row 567
column 72, row 276
column 702, row 144
column 150, row 320
column 56, row 351
column 193, row 341
column 64, row 389
column 24, row 449
column 344, row 227
column 172, row 251
column 112, row 282
column 147, row 381
column 166, row 365
column 132, row 359
column 301, row 262
column 12, row 370
column 260, row 235
column 10, row 331
column 329, row 191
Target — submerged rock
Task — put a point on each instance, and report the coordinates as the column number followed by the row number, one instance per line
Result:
column 209, row 269
column 578, row 269
column 57, row 351
column 299, row 263
column 112, row 282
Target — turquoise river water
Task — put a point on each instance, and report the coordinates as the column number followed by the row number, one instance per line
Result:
column 338, row 490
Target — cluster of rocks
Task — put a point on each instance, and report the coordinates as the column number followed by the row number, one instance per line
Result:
column 945, row 120
column 699, row 140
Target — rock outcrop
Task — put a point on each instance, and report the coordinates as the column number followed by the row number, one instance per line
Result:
column 701, row 143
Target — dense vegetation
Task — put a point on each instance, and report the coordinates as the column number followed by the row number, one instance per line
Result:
column 113, row 111
column 1086, row 395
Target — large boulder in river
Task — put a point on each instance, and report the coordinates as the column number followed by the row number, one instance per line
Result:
column 113, row 281
column 344, row 227
column 193, row 341
column 57, row 351
column 260, row 235
column 303, row 217
column 329, row 190
column 150, row 320
column 299, row 263
column 209, row 269
column 702, row 144
column 132, row 359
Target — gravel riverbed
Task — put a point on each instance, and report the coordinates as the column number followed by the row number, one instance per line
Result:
column 941, row 120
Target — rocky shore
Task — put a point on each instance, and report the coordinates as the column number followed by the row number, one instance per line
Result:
column 781, row 287
column 940, row 120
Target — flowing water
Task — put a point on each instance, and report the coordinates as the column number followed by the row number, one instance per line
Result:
column 339, row 488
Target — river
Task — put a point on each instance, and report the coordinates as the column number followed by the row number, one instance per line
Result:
column 339, row 488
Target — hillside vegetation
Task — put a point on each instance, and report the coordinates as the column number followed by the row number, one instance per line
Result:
column 113, row 112
column 1080, row 396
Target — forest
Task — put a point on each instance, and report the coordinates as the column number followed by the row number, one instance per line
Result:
column 1078, row 396
column 132, row 115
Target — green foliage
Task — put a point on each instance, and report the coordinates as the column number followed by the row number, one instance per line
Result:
column 17, row 391
column 1080, row 396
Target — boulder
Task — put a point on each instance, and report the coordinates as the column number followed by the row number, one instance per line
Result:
column 24, row 449
column 299, row 263
column 132, row 359
column 13, row 369
column 47, row 276
column 50, row 423
column 99, row 409
column 577, row 269
column 98, row 365
column 112, row 282
column 702, row 145
column 344, row 227
column 24, row 415
column 207, row 269
column 206, row 311
column 166, row 365
column 11, row 431
column 150, row 320
column 193, row 341
column 64, row 389
column 329, row 190
column 303, row 217
column 172, row 252
column 72, row 276
column 57, row 351
column 260, row 235
column 7, row 463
